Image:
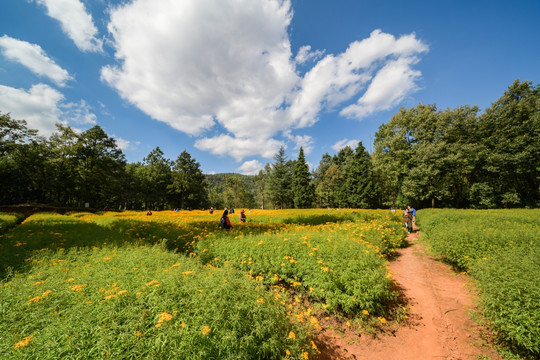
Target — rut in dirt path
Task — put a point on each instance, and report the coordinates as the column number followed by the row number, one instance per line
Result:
column 439, row 324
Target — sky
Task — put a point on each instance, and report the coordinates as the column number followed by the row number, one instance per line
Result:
column 232, row 81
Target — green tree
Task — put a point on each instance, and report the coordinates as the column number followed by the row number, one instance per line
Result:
column 100, row 166
column 359, row 179
column 155, row 175
column 509, row 132
column 303, row 193
column 343, row 159
column 189, row 186
column 280, row 180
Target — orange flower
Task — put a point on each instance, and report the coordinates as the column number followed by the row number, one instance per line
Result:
column 23, row 342
column 205, row 330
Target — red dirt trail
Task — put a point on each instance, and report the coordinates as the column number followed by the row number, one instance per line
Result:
column 439, row 325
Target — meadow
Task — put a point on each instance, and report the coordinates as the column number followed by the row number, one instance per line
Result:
column 172, row 285
column 501, row 251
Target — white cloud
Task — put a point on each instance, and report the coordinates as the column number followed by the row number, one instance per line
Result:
column 239, row 148
column 79, row 113
column 228, row 66
column 34, row 58
column 353, row 144
column 124, row 144
column 301, row 141
column 335, row 79
column 305, row 54
column 42, row 107
column 75, row 22
column 251, row 167
column 389, row 87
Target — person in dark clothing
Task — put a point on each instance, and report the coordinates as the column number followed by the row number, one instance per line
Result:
column 242, row 216
column 224, row 222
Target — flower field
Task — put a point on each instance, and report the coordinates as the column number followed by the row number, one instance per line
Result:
column 501, row 250
column 171, row 285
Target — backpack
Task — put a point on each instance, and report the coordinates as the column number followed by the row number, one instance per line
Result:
column 222, row 223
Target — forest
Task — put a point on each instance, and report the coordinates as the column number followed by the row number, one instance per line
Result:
column 423, row 156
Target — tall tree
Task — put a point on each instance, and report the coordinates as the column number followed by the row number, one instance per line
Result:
column 281, row 180
column 189, row 185
column 343, row 160
column 359, row 179
column 510, row 134
column 100, row 167
column 303, row 193
column 156, row 177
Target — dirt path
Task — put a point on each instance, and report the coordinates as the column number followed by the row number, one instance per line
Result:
column 439, row 327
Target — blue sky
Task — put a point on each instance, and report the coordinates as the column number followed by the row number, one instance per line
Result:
column 230, row 81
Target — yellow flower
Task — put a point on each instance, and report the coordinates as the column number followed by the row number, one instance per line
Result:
column 77, row 287
column 187, row 272
column 23, row 342
column 382, row 320
column 205, row 330
column 164, row 317
column 292, row 335
column 153, row 282
column 287, row 352
column 365, row 312
column 305, row 355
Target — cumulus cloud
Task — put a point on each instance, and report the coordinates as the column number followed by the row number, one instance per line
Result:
column 124, row 144
column 388, row 88
column 224, row 72
column 344, row 143
column 34, row 58
column 239, row 148
column 42, row 107
column 251, row 167
column 305, row 54
column 301, row 141
column 75, row 22
column 338, row 78
column 79, row 113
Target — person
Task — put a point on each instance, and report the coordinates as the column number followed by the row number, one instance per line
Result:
column 211, row 210
column 406, row 218
column 242, row 216
column 410, row 218
column 224, row 222
column 231, row 211
column 414, row 217
column 149, row 213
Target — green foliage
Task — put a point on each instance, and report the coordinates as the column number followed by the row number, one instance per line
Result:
column 501, row 250
column 95, row 295
column 8, row 220
column 301, row 183
column 280, row 181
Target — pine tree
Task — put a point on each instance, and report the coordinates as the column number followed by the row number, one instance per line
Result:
column 359, row 179
column 279, row 186
column 302, row 188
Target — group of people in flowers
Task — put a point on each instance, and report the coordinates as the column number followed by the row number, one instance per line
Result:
column 409, row 215
column 225, row 222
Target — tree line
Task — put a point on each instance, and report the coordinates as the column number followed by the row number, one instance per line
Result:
column 423, row 156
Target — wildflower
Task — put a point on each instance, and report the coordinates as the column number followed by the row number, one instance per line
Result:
column 77, row 287
column 164, row 317
column 292, row 335
column 382, row 320
column 287, row 352
column 23, row 342
column 187, row 272
column 305, row 355
column 365, row 312
column 153, row 282
column 205, row 330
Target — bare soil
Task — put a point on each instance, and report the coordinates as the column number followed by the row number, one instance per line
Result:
column 439, row 325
